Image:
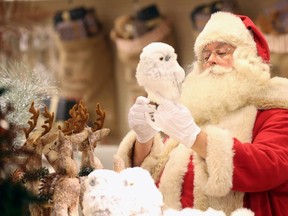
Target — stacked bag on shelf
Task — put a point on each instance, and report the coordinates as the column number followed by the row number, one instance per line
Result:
column 273, row 22
column 201, row 14
column 133, row 32
column 77, row 23
column 85, row 63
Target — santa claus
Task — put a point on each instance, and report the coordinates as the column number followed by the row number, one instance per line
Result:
column 228, row 136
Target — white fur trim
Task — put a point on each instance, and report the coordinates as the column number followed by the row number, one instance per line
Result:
column 173, row 175
column 126, row 146
column 275, row 94
column 219, row 161
column 156, row 151
column 224, row 27
column 213, row 176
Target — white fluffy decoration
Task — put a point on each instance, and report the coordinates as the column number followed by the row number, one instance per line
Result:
column 242, row 211
column 102, row 195
column 130, row 192
column 208, row 212
column 193, row 212
column 159, row 72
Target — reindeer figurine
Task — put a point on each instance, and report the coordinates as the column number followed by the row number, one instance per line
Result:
column 88, row 160
column 32, row 170
column 85, row 138
column 63, row 186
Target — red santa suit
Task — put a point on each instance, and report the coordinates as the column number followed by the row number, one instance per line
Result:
column 247, row 141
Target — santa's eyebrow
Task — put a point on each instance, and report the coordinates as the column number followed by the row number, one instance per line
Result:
column 220, row 45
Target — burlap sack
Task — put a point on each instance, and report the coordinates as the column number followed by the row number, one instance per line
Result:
column 128, row 50
column 86, row 72
column 278, row 45
column 128, row 53
column 279, row 64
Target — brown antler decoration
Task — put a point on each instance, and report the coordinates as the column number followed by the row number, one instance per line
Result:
column 33, row 120
column 50, row 118
column 79, row 117
column 100, row 120
column 83, row 112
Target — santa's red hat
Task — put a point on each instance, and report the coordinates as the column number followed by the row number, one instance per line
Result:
column 237, row 30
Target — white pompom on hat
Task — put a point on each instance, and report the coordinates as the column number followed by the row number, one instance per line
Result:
column 237, row 30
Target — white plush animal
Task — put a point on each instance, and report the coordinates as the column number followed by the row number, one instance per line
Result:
column 141, row 192
column 159, row 72
column 130, row 192
column 208, row 212
column 103, row 195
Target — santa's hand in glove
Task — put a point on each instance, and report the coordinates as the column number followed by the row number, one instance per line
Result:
column 138, row 122
column 176, row 121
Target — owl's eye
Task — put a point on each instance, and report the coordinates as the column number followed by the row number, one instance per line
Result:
column 161, row 58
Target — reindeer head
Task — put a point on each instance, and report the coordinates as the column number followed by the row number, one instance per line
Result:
column 34, row 138
column 96, row 133
column 67, row 137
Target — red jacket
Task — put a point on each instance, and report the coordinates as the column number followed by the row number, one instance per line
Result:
column 264, row 175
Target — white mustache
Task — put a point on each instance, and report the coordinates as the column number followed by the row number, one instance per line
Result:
column 217, row 70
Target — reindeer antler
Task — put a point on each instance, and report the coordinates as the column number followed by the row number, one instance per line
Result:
column 79, row 117
column 83, row 112
column 50, row 119
column 33, row 120
column 100, row 120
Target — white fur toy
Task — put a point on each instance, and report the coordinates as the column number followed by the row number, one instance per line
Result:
column 103, row 195
column 159, row 72
column 130, row 192
column 133, row 192
column 208, row 212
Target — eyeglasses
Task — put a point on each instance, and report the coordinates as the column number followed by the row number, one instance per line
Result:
column 220, row 53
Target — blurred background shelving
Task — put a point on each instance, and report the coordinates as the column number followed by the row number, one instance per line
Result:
column 93, row 65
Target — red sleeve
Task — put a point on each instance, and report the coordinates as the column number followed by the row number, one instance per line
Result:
column 263, row 164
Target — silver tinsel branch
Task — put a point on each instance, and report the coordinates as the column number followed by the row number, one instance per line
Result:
column 23, row 86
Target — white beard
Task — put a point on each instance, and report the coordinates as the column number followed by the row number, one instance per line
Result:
column 210, row 95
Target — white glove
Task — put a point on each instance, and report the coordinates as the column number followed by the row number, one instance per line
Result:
column 138, row 122
column 176, row 121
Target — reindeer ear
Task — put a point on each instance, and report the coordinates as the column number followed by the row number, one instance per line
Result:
column 79, row 137
column 98, row 135
column 61, row 135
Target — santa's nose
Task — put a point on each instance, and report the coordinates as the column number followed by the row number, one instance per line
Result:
column 212, row 60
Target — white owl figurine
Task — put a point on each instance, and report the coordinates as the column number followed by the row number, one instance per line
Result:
column 159, row 72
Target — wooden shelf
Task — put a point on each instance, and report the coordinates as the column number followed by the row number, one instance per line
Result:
column 277, row 43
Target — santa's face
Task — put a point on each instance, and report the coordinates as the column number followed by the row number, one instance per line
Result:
column 212, row 92
column 217, row 53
